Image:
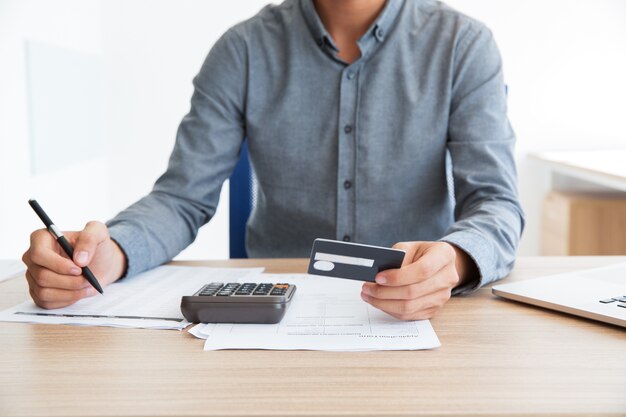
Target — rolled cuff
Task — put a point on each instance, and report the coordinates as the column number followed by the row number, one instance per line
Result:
column 133, row 246
column 481, row 251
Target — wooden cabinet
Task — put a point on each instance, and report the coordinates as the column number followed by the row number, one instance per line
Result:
column 583, row 224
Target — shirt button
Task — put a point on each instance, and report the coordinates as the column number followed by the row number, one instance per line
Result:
column 380, row 33
column 347, row 184
column 346, row 238
column 351, row 75
column 320, row 42
column 347, row 129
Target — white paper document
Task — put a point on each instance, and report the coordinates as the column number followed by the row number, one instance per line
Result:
column 148, row 300
column 325, row 314
column 10, row 268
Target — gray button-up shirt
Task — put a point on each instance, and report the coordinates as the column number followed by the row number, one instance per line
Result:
column 355, row 151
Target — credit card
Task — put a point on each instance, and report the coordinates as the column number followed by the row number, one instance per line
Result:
column 334, row 258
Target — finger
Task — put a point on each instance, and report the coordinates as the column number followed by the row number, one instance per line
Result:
column 410, row 249
column 54, row 297
column 415, row 309
column 48, row 305
column 433, row 259
column 427, row 314
column 33, row 290
column 47, row 278
column 45, row 304
column 88, row 240
column 445, row 278
column 43, row 251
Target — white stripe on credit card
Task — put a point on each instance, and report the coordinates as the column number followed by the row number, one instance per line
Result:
column 342, row 259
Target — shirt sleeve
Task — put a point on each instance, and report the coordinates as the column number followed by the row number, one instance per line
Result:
column 488, row 216
column 157, row 227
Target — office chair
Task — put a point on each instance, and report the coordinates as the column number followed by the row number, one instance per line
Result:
column 241, row 200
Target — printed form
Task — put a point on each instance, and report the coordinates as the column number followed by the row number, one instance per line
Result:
column 149, row 300
column 325, row 314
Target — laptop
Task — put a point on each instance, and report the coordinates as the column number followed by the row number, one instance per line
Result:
column 597, row 294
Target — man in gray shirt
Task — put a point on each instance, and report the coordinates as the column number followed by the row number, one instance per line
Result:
column 354, row 112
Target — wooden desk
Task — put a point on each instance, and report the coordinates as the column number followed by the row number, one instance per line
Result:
column 498, row 358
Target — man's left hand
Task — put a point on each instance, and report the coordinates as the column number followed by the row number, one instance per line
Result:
column 424, row 282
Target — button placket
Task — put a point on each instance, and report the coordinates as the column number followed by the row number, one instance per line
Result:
column 347, row 154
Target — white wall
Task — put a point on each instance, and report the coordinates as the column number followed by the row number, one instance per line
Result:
column 153, row 50
column 564, row 63
column 78, row 190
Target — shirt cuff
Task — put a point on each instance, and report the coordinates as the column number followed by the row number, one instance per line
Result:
column 480, row 250
column 133, row 246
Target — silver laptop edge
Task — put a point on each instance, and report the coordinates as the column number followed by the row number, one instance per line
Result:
column 558, row 307
column 577, row 293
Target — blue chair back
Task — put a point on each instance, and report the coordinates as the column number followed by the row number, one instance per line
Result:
column 241, row 189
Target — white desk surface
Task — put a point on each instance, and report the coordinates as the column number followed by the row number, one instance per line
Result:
column 603, row 167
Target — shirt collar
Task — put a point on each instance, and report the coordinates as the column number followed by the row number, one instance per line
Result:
column 374, row 35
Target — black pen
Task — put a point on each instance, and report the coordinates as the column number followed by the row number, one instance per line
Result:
column 63, row 242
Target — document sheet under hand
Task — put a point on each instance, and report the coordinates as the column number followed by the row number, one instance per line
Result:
column 325, row 314
column 148, row 300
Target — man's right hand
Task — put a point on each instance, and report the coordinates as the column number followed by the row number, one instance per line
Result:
column 56, row 281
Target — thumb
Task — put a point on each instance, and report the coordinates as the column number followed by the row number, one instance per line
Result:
column 411, row 250
column 87, row 242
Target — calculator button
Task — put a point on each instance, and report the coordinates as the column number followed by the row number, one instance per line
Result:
column 263, row 289
column 246, row 289
column 607, row 301
column 278, row 291
column 211, row 289
column 214, row 285
column 228, row 289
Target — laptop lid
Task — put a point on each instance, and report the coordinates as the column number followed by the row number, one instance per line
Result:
column 598, row 294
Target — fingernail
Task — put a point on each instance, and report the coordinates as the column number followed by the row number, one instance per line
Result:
column 75, row 271
column 364, row 297
column 380, row 279
column 366, row 290
column 82, row 257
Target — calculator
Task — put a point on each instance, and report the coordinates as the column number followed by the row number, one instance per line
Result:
column 233, row 302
